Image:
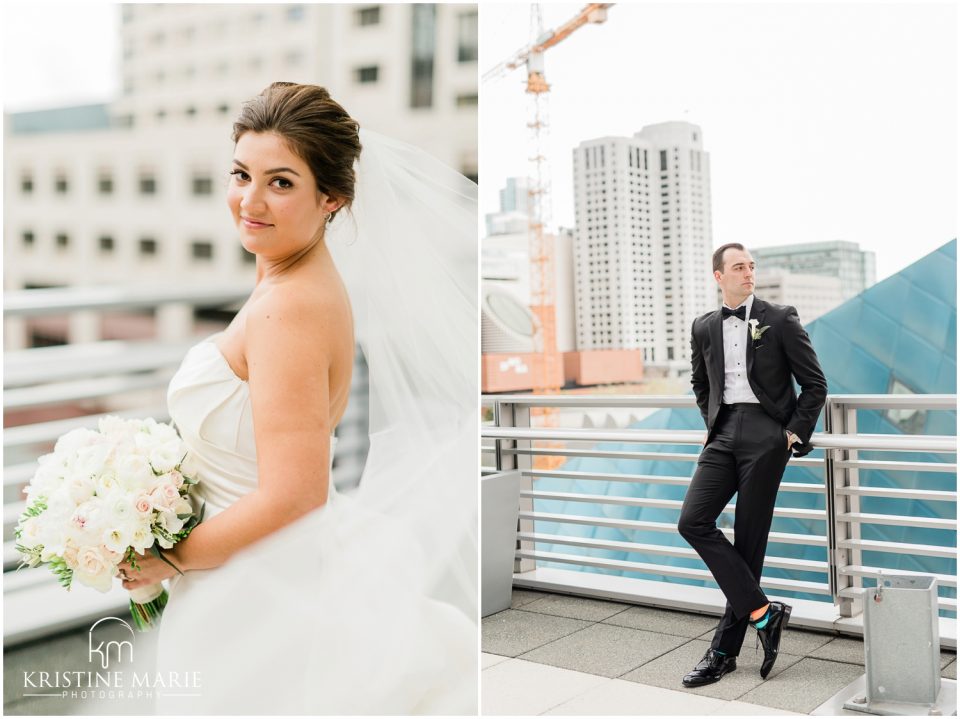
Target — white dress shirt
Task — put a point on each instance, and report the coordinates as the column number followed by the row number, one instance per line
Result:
column 736, row 387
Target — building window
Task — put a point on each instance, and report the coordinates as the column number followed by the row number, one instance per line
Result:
column 148, row 246
column 202, row 185
column 26, row 184
column 161, row 114
column 28, row 238
column 368, row 15
column 468, row 100
column 366, row 75
column 909, row 421
column 295, row 13
column 663, row 160
column 60, row 184
column 191, row 111
column 467, row 37
column 424, row 49
column 62, row 240
column 148, row 184
column 223, row 108
column 106, row 244
column 105, row 184
column 201, row 250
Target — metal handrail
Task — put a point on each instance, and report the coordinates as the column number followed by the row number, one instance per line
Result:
column 513, row 439
column 61, row 300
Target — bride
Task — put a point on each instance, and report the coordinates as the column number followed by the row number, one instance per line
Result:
column 291, row 598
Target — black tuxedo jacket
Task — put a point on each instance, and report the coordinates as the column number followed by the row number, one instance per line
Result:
column 782, row 353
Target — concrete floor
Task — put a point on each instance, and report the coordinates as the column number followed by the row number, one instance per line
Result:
column 556, row 654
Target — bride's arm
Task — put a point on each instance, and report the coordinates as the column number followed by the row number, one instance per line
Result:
column 288, row 366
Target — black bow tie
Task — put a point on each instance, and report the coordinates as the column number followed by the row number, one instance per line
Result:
column 740, row 312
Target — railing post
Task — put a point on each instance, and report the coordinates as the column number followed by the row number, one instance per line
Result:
column 174, row 321
column 15, row 334
column 513, row 415
column 843, row 420
column 84, row 327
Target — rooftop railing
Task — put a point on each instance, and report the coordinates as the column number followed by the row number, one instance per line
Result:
column 92, row 378
column 637, row 555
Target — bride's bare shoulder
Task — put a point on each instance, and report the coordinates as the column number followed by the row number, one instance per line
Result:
column 293, row 317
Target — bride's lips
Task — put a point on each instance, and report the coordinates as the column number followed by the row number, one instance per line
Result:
column 253, row 224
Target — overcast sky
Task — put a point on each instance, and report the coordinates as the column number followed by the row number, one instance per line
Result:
column 823, row 121
column 58, row 54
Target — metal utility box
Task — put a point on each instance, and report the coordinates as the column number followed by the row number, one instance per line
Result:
column 500, row 506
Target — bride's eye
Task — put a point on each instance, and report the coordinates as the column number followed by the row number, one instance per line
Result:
column 283, row 183
column 240, row 175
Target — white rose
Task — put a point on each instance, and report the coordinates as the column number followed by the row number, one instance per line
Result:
column 74, row 440
column 134, row 473
column 30, row 532
column 107, row 482
column 90, row 461
column 93, row 569
column 81, row 487
column 159, row 498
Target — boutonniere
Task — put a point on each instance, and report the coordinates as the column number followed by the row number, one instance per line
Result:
column 757, row 332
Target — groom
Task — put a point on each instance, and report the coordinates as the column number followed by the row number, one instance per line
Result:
column 745, row 358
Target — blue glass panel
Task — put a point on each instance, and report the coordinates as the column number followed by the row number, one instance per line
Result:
column 927, row 316
column 876, row 334
column 916, row 363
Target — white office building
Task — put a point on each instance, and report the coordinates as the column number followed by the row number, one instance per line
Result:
column 855, row 269
column 812, row 295
column 643, row 241
column 133, row 191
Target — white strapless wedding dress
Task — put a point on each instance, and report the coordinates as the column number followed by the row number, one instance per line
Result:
column 325, row 616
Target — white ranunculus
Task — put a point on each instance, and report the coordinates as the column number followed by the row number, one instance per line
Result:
column 167, row 456
column 141, row 539
column 107, row 482
column 119, row 537
column 93, row 569
column 170, row 521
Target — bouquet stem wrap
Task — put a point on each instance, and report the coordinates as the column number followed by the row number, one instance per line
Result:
column 146, row 605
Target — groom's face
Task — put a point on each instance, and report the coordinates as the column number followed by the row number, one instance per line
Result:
column 736, row 278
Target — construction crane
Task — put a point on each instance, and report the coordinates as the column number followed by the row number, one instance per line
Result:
column 547, row 375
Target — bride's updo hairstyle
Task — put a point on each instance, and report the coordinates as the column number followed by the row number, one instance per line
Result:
column 316, row 129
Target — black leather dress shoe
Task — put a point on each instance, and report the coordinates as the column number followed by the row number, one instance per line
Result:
column 769, row 636
column 710, row 669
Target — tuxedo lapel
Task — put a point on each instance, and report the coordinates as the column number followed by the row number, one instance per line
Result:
column 756, row 313
column 716, row 345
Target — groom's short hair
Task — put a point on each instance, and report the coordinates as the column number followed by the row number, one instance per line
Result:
column 718, row 254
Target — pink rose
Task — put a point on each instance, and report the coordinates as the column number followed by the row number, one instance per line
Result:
column 144, row 505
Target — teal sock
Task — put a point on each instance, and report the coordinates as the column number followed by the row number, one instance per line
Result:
column 719, row 652
column 762, row 622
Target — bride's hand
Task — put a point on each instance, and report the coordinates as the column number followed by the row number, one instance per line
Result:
column 151, row 571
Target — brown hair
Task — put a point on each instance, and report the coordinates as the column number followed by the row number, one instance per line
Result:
column 315, row 127
column 718, row 254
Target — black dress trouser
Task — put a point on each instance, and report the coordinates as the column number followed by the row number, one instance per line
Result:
column 745, row 456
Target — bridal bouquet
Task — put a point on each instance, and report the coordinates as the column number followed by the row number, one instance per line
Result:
column 102, row 497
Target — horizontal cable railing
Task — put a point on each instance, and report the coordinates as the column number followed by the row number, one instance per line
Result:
column 83, row 381
column 521, row 433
